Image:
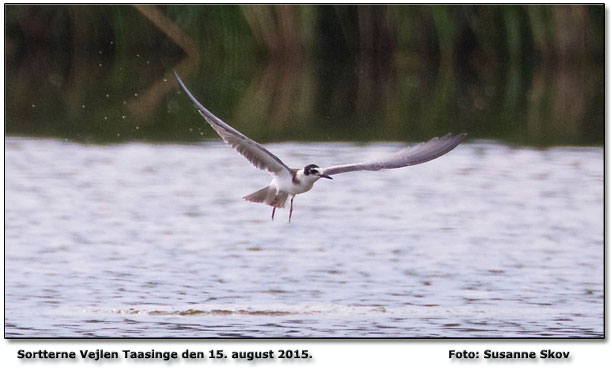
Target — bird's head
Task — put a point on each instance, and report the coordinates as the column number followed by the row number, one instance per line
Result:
column 313, row 171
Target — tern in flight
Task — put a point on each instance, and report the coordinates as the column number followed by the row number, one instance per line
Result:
column 287, row 182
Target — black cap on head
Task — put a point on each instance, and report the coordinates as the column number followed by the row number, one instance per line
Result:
column 309, row 169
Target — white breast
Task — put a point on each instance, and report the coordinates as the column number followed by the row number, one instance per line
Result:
column 285, row 183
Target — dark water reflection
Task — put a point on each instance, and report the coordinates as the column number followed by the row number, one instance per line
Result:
column 105, row 93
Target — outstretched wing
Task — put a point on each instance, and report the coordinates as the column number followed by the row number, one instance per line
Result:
column 260, row 157
column 418, row 154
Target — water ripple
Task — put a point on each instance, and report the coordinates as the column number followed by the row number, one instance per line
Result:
column 142, row 240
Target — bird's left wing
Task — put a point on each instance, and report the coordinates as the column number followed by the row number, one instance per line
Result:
column 418, row 154
column 251, row 150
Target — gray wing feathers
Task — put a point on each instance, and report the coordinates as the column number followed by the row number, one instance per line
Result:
column 418, row 154
column 251, row 150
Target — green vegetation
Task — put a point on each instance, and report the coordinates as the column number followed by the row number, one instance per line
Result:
column 527, row 74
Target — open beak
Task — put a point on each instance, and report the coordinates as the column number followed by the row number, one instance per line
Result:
column 325, row 176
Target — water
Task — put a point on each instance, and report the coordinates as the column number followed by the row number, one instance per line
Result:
column 144, row 240
column 530, row 75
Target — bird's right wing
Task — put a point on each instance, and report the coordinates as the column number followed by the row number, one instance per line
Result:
column 251, row 150
column 418, row 154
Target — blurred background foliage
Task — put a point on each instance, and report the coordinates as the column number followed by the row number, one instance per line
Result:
column 523, row 74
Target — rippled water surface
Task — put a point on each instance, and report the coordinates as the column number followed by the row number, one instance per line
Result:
column 142, row 240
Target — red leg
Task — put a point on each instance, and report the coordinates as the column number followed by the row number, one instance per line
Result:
column 273, row 210
column 291, row 209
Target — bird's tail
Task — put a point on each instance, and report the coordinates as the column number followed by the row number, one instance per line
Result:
column 269, row 196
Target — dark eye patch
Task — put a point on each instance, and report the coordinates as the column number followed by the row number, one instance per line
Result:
column 310, row 169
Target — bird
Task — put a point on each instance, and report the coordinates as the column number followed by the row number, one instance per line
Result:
column 288, row 182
